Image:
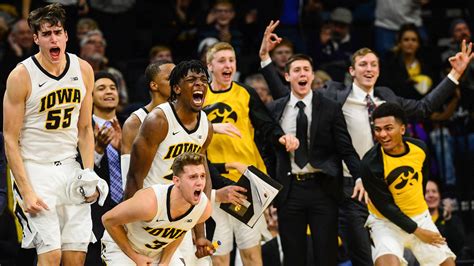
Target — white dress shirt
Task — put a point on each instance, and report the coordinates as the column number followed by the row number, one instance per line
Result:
column 288, row 124
column 357, row 120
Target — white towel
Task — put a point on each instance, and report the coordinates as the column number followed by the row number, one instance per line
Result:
column 84, row 184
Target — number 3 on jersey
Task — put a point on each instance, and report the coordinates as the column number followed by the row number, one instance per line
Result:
column 58, row 118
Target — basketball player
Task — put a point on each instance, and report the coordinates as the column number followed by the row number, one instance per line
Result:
column 168, row 130
column 151, row 235
column 47, row 116
column 394, row 173
column 157, row 75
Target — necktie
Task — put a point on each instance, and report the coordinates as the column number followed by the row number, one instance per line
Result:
column 115, row 175
column 301, row 154
column 370, row 109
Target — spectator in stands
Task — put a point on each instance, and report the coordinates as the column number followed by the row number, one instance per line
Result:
column 461, row 125
column 257, row 81
column 20, row 46
column 203, row 46
column 83, row 26
column 114, row 18
column 333, row 50
column 93, row 51
column 406, row 69
column 220, row 25
column 320, row 78
column 442, row 145
column 448, row 223
column 160, row 52
column 410, row 72
column 390, row 15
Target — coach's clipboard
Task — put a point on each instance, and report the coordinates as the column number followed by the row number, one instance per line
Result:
column 261, row 190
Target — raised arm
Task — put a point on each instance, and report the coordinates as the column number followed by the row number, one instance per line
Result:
column 152, row 132
column 438, row 96
column 277, row 88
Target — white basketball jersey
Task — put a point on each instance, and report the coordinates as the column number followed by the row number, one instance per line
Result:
column 141, row 114
column 49, row 131
column 149, row 238
column 177, row 141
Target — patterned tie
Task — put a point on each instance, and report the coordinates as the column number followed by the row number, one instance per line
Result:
column 301, row 154
column 115, row 175
column 370, row 109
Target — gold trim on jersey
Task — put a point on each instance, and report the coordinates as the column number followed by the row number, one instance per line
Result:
column 177, row 149
column 60, row 96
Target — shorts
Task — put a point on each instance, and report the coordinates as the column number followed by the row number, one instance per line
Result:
column 111, row 254
column 227, row 226
column 63, row 226
column 388, row 238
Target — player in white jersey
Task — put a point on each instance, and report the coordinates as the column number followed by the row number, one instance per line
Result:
column 47, row 116
column 151, row 235
column 157, row 75
column 169, row 130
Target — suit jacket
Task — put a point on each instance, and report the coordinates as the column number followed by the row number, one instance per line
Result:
column 329, row 144
column 93, row 254
column 339, row 92
column 413, row 108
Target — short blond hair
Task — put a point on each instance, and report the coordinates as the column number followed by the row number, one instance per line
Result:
column 362, row 52
column 216, row 48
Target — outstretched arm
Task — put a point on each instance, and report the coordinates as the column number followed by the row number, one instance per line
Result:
column 438, row 96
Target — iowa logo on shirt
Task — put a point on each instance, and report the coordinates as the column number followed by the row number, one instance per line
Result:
column 403, row 175
column 220, row 113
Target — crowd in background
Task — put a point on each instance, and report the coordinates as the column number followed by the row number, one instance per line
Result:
column 413, row 39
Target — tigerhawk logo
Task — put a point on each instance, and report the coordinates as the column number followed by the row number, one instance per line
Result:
column 220, row 113
column 406, row 175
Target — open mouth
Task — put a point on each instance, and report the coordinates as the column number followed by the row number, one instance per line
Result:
column 227, row 74
column 197, row 193
column 198, row 97
column 54, row 51
column 302, row 83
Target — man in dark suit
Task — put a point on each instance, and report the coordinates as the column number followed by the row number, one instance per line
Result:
column 357, row 101
column 108, row 135
column 312, row 175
